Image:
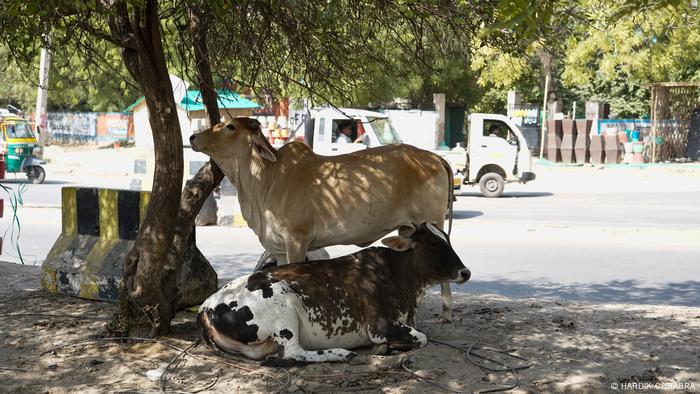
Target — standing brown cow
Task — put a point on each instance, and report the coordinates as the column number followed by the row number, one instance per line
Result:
column 295, row 200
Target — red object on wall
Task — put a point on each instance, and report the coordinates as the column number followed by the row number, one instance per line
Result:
column 2, row 172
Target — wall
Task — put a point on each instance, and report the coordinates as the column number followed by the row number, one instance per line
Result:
column 114, row 126
column 143, row 138
column 88, row 127
column 71, row 128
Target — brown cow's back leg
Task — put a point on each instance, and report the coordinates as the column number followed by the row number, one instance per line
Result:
column 445, row 292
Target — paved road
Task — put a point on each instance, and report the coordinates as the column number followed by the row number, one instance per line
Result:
column 619, row 235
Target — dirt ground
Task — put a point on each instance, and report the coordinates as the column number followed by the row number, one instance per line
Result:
column 52, row 344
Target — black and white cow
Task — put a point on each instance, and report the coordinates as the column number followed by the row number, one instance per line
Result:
column 315, row 311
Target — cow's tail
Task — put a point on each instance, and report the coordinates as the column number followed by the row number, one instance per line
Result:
column 450, row 193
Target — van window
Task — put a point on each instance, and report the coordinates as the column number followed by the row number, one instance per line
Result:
column 384, row 130
column 496, row 128
column 321, row 129
column 338, row 125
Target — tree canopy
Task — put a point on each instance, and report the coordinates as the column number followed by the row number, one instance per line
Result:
column 349, row 53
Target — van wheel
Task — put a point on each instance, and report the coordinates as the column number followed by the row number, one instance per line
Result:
column 491, row 185
column 36, row 174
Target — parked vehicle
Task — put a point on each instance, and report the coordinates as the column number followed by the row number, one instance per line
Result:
column 19, row 148
column 323, row 130
column 496, row 153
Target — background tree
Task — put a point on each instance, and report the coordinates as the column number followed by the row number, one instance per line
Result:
column 75, row 85
column 619, row 49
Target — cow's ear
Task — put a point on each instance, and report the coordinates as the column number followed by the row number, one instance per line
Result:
column 263, row 148
column 398, row 243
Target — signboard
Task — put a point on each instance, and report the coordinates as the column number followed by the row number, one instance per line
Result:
column 68, row 127
column 526, row 116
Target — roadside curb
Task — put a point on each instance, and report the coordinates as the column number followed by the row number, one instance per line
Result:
column 99, row 228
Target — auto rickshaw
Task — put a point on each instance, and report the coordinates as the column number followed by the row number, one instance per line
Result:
column 20, row 149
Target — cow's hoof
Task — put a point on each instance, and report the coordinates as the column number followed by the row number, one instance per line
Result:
column 442, row 320
column 354, row 359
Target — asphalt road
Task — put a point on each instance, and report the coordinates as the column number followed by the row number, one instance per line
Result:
column 614, row 235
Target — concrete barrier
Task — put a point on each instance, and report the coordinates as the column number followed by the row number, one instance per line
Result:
column 99, row 228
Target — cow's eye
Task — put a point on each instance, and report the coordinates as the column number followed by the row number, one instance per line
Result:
column 231, row 126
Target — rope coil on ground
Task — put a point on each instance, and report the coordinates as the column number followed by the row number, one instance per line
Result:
column 469, row 352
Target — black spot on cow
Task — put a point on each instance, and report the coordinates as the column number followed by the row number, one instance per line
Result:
column 233, row 323
column 345, row 322
column 286, row 334
column 399, row 333
column 319, row 352
column 233, row 304
column 260, row 281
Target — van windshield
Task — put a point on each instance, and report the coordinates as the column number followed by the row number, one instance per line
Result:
column 384, row 130
column 19, row 130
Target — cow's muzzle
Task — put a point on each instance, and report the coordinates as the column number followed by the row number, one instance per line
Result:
column 193, row 137
column 463, row 275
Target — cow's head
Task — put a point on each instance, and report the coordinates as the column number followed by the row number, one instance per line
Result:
column 431, row 254
column 239, row 139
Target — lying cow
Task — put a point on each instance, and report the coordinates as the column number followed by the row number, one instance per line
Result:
column 296, row 201
column 315, row 311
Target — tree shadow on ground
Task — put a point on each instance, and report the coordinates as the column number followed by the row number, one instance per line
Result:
column 618, row 291
column 573, row 346
column 461, row 214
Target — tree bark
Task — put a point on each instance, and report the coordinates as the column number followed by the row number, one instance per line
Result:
column 547, row 60
column 150, row 294
column 146, row 306
column 209, row 176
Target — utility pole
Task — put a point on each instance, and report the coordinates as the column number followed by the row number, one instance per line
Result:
column 42, row 95
column 544, row 115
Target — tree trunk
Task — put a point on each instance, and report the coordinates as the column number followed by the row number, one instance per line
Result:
column 146, row 305
column 209, row 176
column 150, row 294
column 547, row 60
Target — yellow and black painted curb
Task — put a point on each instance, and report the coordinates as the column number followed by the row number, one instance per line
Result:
column 99, row 228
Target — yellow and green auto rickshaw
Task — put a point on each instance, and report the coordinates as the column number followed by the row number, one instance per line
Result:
column 20, row 148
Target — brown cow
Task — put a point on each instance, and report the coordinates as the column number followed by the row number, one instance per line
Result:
column 296, row 200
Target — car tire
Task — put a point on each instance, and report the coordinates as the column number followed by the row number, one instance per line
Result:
column 491, row 185
column 36, row 174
